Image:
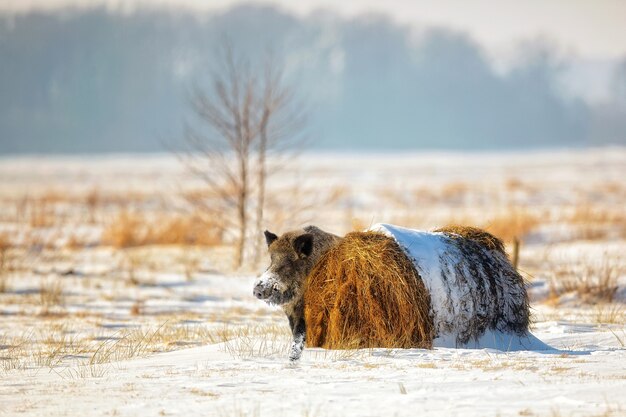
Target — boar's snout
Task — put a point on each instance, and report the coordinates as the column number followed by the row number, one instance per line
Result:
column 258, row 291
column 265, row 286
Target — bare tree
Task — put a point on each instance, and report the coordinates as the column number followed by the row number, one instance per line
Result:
column 280, row 129
column 246, row 117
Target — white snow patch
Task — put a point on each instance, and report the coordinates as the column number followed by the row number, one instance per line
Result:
column 493, row 339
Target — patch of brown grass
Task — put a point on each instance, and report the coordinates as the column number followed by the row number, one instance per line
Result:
column 190, row 265
column 608, row 412
column 425, row 195
column 4, row 282
column 255, row 341
column 74, row 242
column 365, row 292
column 133, row 229
column 512, row 224
column 597, row 223
column 57, row 344
column 50, row 295
column 427, row 365
column 589, row 214
column 359, row 224
column 514, row 184
column 92, row 203
column 609, row 314
column 130, row 263
column 41, row 212
column 4, row 248
column 454, row 191
column 126, row 230
column 203, row 393
column 592, row 283
column 136, row 309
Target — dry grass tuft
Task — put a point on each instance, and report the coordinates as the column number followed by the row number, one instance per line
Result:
column 513, row 224
column 190, row 264
column 255, row 341
column 92, row 202
column 203, row 393
column 41, row 211
column 4, row 248
column 143, row 341
column 125, row 231
column 74, row 242
column 131, row 262
column 137, row 308
column 4, row 282
column 58, row 346
column 132, row 229
column 587, row 213
column 609, row 314
column 454, row 191
column 593, row 283
column 359, row 224
column 479, row 236
column 365, row 292
column 50, row 294
column 597, row 223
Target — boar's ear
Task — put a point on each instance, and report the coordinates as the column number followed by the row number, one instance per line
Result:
column 269, row 237
column 303, row 244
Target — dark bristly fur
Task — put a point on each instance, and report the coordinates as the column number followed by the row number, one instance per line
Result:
column 293, row 255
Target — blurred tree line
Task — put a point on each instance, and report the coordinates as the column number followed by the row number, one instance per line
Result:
column 95, row 80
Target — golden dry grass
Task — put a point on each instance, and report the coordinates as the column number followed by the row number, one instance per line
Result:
column 133, row 229
column 57, row 345
column 75, row 242
column 92, row 203
column 365, row 292
column 507, row 224
column 4, row 282
column 454, row 191
column 587, row 213
column 609, row 314
column 40, row 214
column 592, row 283
column 50, row 295
column 610, row 411
column 513, row 224
column 5, row 244
column 255, row 341
column 597, row 223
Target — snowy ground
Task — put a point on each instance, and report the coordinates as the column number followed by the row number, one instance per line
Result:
column 92, row 329
column 587, row 378
column 249, row 374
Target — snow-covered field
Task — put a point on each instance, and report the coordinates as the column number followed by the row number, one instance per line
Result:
column 90, row 327
column 235, row 378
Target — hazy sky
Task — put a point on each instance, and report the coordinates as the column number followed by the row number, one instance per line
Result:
column 591, row 29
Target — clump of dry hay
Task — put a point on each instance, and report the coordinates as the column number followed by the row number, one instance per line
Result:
column 479, row 236
column 364, row 293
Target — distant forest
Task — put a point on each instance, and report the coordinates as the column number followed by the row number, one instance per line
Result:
column 99, row 81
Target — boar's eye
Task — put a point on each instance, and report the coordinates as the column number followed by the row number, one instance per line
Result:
column 284, row 269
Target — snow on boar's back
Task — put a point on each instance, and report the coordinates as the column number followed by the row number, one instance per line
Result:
column 396, row 287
